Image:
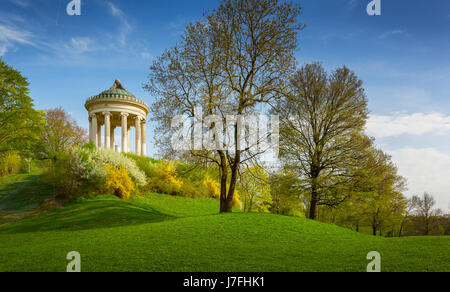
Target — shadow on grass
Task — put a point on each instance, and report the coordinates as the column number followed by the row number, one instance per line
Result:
column 93, row 214
column 20, row 195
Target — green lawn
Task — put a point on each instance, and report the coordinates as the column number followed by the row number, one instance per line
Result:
column 163, row 233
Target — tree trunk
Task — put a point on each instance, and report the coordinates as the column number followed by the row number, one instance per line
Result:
column 401, row 229
column 314, row 200
column 374, row 230
column 223, row 182
column 227, row 206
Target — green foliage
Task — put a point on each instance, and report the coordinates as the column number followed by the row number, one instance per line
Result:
column 321, row 124
column 20, row 124
column 286, row 194
column 10, row 163
column 80, row 171
column 255, row 190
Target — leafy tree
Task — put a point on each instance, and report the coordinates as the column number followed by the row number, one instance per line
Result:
column 20, row 123
column 322, row 119
column 255, row 190
column 238, row 57
column 379, row 190
column 60, row 133
column 286, row 194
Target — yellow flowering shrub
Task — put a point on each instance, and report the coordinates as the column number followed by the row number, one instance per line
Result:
column 118, row 182
column 168, row 174
column 214, row 191
column 212, row 186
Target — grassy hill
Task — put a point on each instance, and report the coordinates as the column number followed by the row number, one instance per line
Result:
column 163, row 233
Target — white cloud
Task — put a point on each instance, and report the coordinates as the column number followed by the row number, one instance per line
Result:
column 10, row 36
column 412, row 124
column 124, row 27
column 427, row 170
column 391, row 33
column 81, row 44
column 3, row 49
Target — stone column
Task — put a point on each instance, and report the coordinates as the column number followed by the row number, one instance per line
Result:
column 128, row 139
column 124, row 132
column 99, row 136
column 143, row 138
column 93, row 136
column 112, row 138
column 138, row 135
column 90, row 129
column 107, row 116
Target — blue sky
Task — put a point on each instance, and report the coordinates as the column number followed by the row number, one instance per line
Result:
column 402, row 56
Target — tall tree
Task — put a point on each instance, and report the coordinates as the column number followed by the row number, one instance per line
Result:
column 238, row 57
column 20, row 123
column 322, row 119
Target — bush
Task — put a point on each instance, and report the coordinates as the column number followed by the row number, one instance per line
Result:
column 105, row 157
column 75, row 174
column 168, row 174
column 84, row 171
column 118, row 182
column 10, row 163
column 148, row 165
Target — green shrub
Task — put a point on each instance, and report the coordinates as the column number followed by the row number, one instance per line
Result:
column 10, row 163
column 79, row 172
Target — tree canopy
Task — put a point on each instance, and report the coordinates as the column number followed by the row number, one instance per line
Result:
column 20, row 123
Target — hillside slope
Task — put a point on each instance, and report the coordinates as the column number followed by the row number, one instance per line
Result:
column 163, row 233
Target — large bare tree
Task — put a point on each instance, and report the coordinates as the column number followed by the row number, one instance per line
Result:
column 322, row 121
column 238, row 57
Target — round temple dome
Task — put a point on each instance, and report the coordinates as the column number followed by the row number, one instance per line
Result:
column 117, row 108
column 116, row 92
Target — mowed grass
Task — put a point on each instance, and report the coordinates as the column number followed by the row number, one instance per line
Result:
column 20, row 194
column 163, row 233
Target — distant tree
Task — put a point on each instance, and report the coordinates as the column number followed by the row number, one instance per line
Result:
column 411, row 206
column 322, row 119
column 286, row 194
column 60, row 133
column 20, row 123
column 425, row 209
column 238, row 57
column 254, row 190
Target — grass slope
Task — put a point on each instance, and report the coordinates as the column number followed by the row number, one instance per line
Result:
column 21, row 194
column 163, row 233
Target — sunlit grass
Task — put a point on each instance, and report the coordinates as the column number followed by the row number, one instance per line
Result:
column 163, row 233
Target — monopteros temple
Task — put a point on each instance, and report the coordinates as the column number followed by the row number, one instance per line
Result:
column 114, row 108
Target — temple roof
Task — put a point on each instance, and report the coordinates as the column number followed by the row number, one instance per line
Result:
column 116, row 92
